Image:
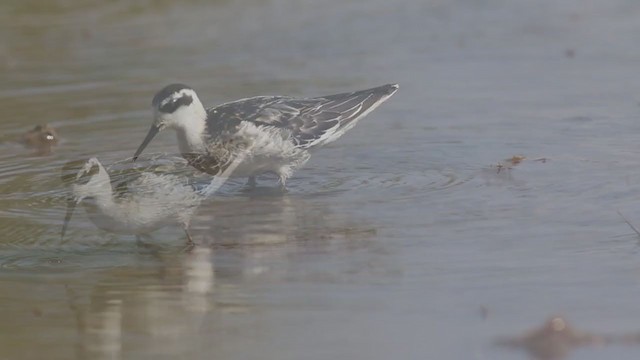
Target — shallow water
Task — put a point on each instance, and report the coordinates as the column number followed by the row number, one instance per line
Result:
column 403, row 239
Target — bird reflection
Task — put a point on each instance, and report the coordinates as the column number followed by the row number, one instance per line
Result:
column 271, row 218
column 168, row 311
column 245, row 230
column 170, row 303
column 137, row 201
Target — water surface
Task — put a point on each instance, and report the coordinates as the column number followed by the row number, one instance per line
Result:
column 400, row 240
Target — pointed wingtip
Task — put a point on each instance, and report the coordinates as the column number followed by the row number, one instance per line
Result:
column 391, row 88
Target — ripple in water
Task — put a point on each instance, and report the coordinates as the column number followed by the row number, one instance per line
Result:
column 70, row 259
column 387, row 186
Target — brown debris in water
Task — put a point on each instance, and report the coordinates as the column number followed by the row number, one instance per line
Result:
column 510, row 163
column 42, row 138
column 556, row 338
column 570, row 53
column 36, row 311
column 484, row 312
column 516, row 159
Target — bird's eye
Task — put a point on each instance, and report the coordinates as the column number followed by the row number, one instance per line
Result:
column 169, row 107
column 49, row 136
column 174, row 104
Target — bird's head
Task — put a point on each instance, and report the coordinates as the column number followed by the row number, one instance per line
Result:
column 86, row 178
column 174, row 107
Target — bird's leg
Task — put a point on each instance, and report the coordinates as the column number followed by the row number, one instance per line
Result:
column 251, row 182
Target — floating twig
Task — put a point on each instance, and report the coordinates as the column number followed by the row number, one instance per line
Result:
column 629, row 223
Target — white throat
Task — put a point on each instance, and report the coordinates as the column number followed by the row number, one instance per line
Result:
column 189, row 123
column 99, row 188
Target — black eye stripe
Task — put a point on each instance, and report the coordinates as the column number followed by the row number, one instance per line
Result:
column 173, row 105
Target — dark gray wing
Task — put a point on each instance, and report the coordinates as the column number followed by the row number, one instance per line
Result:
column 311, row 121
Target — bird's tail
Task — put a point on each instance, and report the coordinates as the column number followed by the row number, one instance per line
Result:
column 353, row 106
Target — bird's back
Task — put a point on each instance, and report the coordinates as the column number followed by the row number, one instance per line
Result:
column 308, row 122
column 145, row 198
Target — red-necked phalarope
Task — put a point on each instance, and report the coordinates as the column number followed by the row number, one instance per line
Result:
column 137, row 202
column 280, row 130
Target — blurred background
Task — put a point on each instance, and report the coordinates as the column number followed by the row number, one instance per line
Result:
column 477, row 202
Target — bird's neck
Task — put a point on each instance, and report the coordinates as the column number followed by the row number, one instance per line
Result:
column 104, row 196
column 99, row 194
column 191, row 135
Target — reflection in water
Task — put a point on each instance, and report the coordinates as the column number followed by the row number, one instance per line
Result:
column 166, row 315
column 102, row 336
column 267, row 217
column 247, row 228
column 199, row 278
column 169, row 302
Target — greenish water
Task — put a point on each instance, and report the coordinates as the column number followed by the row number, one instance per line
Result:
column 400, row 240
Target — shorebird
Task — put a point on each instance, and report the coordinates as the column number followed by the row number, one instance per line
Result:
column 280, row 130
column 134, row 202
